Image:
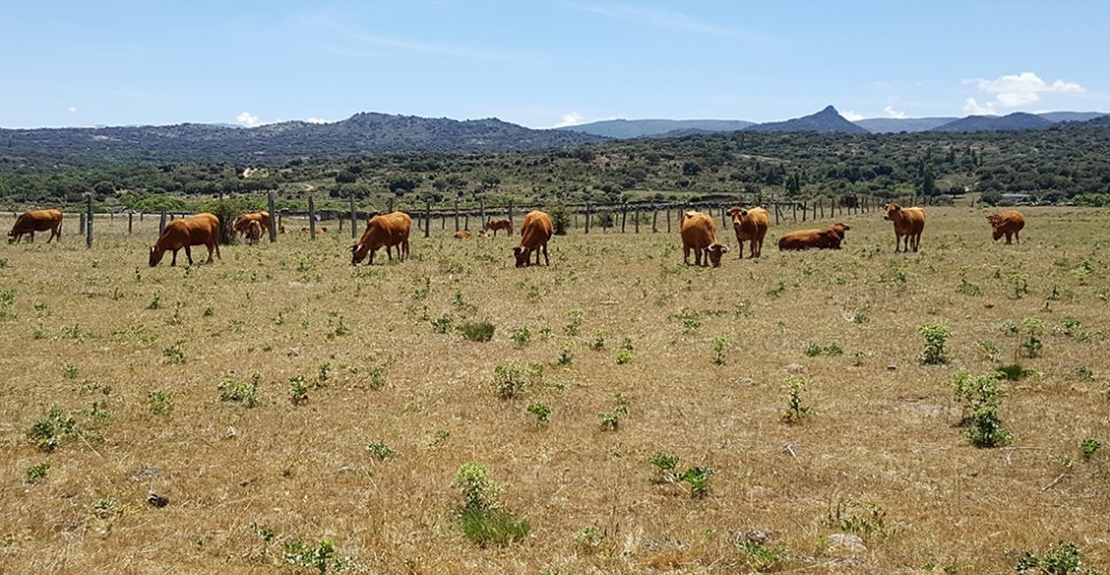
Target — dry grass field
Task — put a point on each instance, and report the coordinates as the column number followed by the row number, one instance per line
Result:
column 363, row 412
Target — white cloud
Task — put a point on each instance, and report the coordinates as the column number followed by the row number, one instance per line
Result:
column 248, row 119
column 892, row 113
column 1016, row 91
column 852, row 116
column 571, row 119
column 972, row 108
column 316, row 121
column 73, row 109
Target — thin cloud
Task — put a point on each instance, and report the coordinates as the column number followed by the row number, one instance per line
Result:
column 317, row 121
column 1016, row 90
column 852, row 116
column 663, row 19
column 338, row 31
column 973, row 108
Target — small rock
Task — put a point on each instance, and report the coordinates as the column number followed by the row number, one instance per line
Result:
column 891, row 367
column 741, row 381
column 231, row 433
column 845, row 544
column 759, row 536
column 294, row 351
column 796, row 368
column 157, row 500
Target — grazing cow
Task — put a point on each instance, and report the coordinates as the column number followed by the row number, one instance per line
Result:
column 699, row 233
column 386, row 230
column 534, row 235
column 823, row 239
column 908, row 223
column 282, row 230
column 462, row 234
column 199, row 230
column 254, row 232
column 750, row 225
column 241, row 223
column 1007, row 223
column 37, row 221
column 493, row 225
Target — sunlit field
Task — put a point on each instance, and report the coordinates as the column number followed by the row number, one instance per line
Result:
column 814, row 429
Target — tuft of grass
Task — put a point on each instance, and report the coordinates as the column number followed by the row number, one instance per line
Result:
column 50, row 431
column 477, row 330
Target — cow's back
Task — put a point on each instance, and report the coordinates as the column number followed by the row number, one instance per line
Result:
column 536, row 230
column 697, row 230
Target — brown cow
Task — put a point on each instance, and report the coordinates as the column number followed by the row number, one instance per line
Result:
column 241, row 223
column 823, row 239
column 699, row 233
column 199, row 230
column 534, row 235
column 1007, row 223
column 750, row 225
column 254, row 232
column 493, row 225
column 386, row 230
column 37, row 221
column 908, row 223
column 462, row 234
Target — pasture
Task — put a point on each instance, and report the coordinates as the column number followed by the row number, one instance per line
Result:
column 369, row 399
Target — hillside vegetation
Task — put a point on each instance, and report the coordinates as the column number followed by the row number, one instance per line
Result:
column 1066, row 162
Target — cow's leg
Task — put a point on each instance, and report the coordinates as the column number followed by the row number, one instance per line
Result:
column 173, row 262
column 189, row 254
column 686, row 255
column 209, row 260
column 1017, row 236
column 757, row 248
column 546, row 261
column 216, row 245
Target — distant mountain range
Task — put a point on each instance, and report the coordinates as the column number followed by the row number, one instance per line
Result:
column 375, row 133
column 830, row 121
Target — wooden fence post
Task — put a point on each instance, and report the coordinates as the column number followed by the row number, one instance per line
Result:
column 162, row 222
column 427, row 217
column 778, row 213
column 354, row 218
column 588, row 209
column 667, row 212
column 511, row 212
column 89, row 228
column 482, row 212
column 636, row 219
column 273, row 228
column 311, row 219
column 81, row 224
column 130, row 221
column 456, row 212
column 654, row 219
column 391, row 205
column 624, row 215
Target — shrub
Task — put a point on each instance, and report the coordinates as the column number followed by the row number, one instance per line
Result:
column 540, row 410
column 512, row 381
column 981, row 396
column 49, row 432
column 1063, row 559
column 36, row 473
column 936, row 336
column 482, row 521
column 796, row 410
column 477, row 330
column 240, row 392
column 380, row 451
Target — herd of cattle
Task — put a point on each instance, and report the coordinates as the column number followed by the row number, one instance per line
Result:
column 698, row 232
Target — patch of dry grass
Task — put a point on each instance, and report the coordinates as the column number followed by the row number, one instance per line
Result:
column 880, row 455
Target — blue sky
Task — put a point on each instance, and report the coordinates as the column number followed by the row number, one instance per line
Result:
column 543, row 63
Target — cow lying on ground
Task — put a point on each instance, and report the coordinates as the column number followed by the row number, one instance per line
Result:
column 908, row 223
column 823, row 239
column 1007, row 223
column 699, row 234
column 535, row 232
column 241, row 223
column 384, row 230
column 462, row 234
column 199, row 230
column 37, row 221
column 493, row 225
column 750, row 225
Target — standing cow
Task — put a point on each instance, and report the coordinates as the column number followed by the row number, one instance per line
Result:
column 908, row 223
column 750, row 225
column 1007, row 223
column 37, row 221
column 199, row 230
column 254, row 232
column 243, row 221
column 493, row 225
column 384, row 230
column 535, row 232
column 699, row 234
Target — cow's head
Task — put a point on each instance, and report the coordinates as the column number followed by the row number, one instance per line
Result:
column 715, row 251
column 358, row 253
column 994, row 219
column 155, row 255
column 11, row 236
column 738, row 214
column 893, row 210
column 522, row 255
